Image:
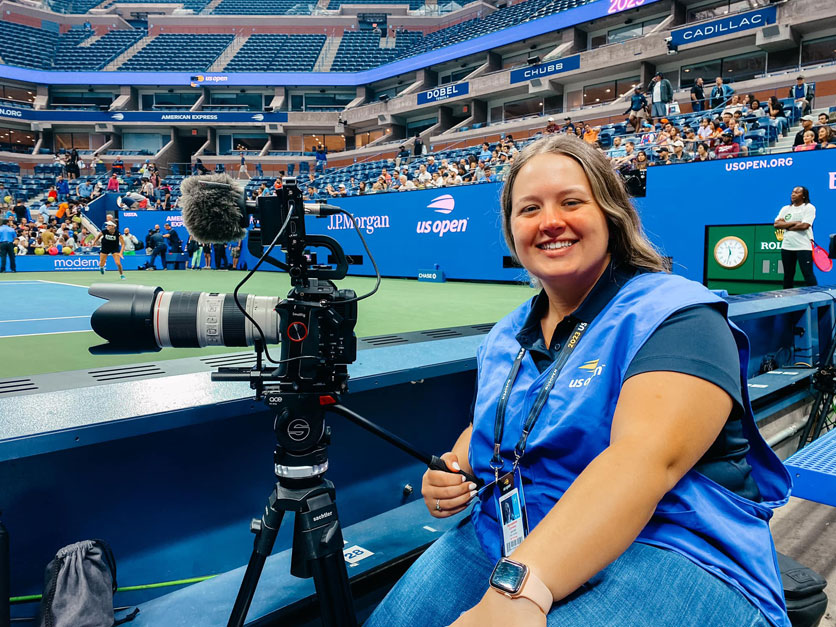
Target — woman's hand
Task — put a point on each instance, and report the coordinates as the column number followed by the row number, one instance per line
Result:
column 497, row 610
column 446, row 493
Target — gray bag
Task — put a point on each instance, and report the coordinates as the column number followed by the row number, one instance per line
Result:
column 79, row 586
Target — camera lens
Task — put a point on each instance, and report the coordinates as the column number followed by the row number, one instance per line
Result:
column 147, row 318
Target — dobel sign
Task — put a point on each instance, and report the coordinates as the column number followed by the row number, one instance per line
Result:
column 443, row 93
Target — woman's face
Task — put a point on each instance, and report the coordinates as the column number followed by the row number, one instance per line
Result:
column 701, row 149
column 823, row 134
column 559, row 230
column 809, row 137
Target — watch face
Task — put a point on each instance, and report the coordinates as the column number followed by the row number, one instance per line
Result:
column 730, row 252
column 508, row 576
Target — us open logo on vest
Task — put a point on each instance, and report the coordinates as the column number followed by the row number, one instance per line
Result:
column 592, row 370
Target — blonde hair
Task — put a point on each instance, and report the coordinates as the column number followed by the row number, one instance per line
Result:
column 627, row 241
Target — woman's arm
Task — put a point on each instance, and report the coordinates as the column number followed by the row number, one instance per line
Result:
column 791, row 226
column 663, row 424
column 449, row 490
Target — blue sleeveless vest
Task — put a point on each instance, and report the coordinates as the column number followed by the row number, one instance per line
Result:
column 720, row 531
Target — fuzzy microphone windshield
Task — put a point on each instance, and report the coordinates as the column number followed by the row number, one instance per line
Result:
column 213, row 208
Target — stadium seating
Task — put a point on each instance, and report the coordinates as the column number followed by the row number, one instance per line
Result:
column 277, row 53
column 15, row 103
column 496, row 21
column 255, row 7
column 413, row 4
column 360, row 50
column 25, row 46
column 72, row 57
column 178, row 53
column 193, row 5
column 73, row 6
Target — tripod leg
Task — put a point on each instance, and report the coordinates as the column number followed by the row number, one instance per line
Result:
column 265, row 531
column 335, row 600
column 318, row 552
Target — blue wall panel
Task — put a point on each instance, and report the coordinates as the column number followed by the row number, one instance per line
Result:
column 682, row 199
column 458, row 228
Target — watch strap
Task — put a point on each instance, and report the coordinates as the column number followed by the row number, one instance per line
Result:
column 536, row 591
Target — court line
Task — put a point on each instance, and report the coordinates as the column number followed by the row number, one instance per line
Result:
column 60, row 283
column 32, row 282
column 2, row 337
column 38, row 319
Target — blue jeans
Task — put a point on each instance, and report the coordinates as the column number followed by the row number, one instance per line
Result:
column 159, row 251
column 645, row 587
column 783, row 126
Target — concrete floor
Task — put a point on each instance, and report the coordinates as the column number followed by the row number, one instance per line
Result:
column 806, row 531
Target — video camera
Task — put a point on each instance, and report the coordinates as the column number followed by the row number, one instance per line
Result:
column 315, row 322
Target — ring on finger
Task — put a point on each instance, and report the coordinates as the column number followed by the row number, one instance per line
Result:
column 438, row 505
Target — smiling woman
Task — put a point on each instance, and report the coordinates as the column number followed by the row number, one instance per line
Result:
column 645, row 476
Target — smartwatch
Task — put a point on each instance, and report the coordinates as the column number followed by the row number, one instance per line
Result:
column 516, row 580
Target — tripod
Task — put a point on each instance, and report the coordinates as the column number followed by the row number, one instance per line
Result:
column 301, row 488
column 824, row 382
column 317, row 549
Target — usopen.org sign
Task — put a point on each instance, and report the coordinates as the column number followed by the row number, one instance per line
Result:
column 725, row 26
column 443, row 93
column 567, row 64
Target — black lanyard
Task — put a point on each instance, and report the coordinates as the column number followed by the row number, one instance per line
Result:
column 496, row 461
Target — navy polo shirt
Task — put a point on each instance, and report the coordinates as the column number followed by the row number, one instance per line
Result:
column 677, row 345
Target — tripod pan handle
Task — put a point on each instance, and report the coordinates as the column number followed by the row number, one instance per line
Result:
column 438, row 464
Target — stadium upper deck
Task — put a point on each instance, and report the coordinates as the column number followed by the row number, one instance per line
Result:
column 377, row 78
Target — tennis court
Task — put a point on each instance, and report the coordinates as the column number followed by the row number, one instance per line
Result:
column 45, row 317
column 44, row 308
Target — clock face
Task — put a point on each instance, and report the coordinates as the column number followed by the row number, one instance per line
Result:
column 730, row 252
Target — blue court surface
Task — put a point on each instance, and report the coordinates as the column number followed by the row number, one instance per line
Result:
column 44, row 307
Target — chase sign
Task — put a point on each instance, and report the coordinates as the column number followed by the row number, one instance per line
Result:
column 725, row 26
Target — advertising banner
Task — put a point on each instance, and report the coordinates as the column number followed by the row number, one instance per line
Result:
column 682, row 200
column 146, row 117
column 75, row 263
column 444, row 92
column 724, row 26
column 567, row 64
column 140, row 222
